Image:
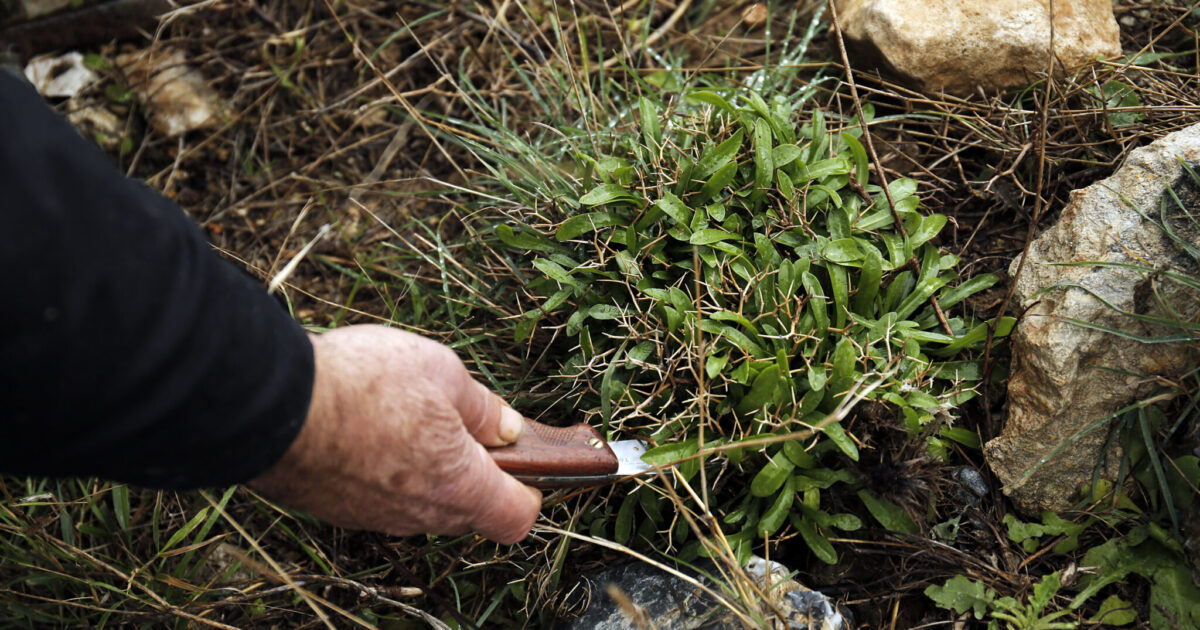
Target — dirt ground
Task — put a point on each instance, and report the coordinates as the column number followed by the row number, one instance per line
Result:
column 331, row 118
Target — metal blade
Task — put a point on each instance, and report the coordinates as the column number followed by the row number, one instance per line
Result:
column 629, row 454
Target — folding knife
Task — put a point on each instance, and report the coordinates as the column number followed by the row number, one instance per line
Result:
column 569, row 457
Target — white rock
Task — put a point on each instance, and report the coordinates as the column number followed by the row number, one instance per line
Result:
column 60, row 76
column 1067, row 379
column 958, row 46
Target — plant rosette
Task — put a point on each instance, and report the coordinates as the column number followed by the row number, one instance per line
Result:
column 720, row 264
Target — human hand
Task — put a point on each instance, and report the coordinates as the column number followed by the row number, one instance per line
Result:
column 394, row 442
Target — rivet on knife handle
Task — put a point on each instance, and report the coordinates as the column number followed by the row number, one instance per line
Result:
column 546, row 451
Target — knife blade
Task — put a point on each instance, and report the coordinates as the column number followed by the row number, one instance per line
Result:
column 569, row 457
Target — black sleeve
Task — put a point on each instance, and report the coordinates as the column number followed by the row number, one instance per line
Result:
column 128, row 349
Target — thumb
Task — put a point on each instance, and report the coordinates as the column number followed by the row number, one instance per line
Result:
column 486, row 417
column 508, row 508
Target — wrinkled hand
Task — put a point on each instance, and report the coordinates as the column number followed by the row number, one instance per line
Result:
column 394, row 442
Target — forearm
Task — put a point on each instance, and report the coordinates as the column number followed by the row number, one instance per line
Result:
column 128, row 349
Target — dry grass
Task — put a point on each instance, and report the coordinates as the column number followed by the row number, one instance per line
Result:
column 345, row 117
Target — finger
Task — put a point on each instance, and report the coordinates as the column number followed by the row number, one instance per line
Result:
column 487, row 418
column 506, row 508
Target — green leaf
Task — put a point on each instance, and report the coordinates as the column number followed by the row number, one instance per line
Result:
column 902, row 188
column 961, row 292
column 977, row 334
column 815, row 541
column 1182, row 476
column 846, row 522
column 624, row 524
column 961, row 594
column 555, row 272
column 718, row 182
column 869, row 282
column 825, row 168
column 682, row 301
column 651, row 129
column 718, row 157
column 839, row 285
column 584, row 223
column 1044, row 590
column 962, row 435
column 183, row 532
column 1114, row 611
column 919, row 295
column 771, row 476
column 708, row 236
column 1115, row 94
column 843, row 358
column 607, row 193
column 736, row 337
column 607, row 389
column 764, row 166
column 711, row 98
column 120, row 497
column 605, row 312
column 762, row 392
column 730, row 316
column 768, row 256
column 812, row 398
column 784, row 154
column 861, row 170
column 817, row 377
column 714, row 364
column 784, row 181
column 524, row 240
column 669, row 453
column 773, row 518
column 523, row 329
column 843, row 250
column 835, row 432
column 924, row 229
column 888, row 514
column 794, row 451
column 816, row 302
column 674, row 207
column 1174, row 593
column 921, row 400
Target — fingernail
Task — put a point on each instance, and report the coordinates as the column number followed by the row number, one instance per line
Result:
column 511, row 424
column 537, row 494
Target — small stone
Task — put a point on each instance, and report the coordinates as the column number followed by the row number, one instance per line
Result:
column 972, row 482
column 175, row 95
column 755, row 14
column 60, row 76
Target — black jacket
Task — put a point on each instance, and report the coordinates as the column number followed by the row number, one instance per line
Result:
column 128, row 349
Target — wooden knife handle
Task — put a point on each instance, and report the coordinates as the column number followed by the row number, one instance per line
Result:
column 546, row 451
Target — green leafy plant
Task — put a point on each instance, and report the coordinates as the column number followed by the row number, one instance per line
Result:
column 961, row 594
column 725, row 274
column 1116, row 94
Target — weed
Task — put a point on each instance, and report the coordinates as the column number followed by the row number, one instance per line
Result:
column 731, row 282
column 961, row 595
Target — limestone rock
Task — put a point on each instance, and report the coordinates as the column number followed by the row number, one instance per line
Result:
column 958, row 46
column 1066, row 379
column 638, row 595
